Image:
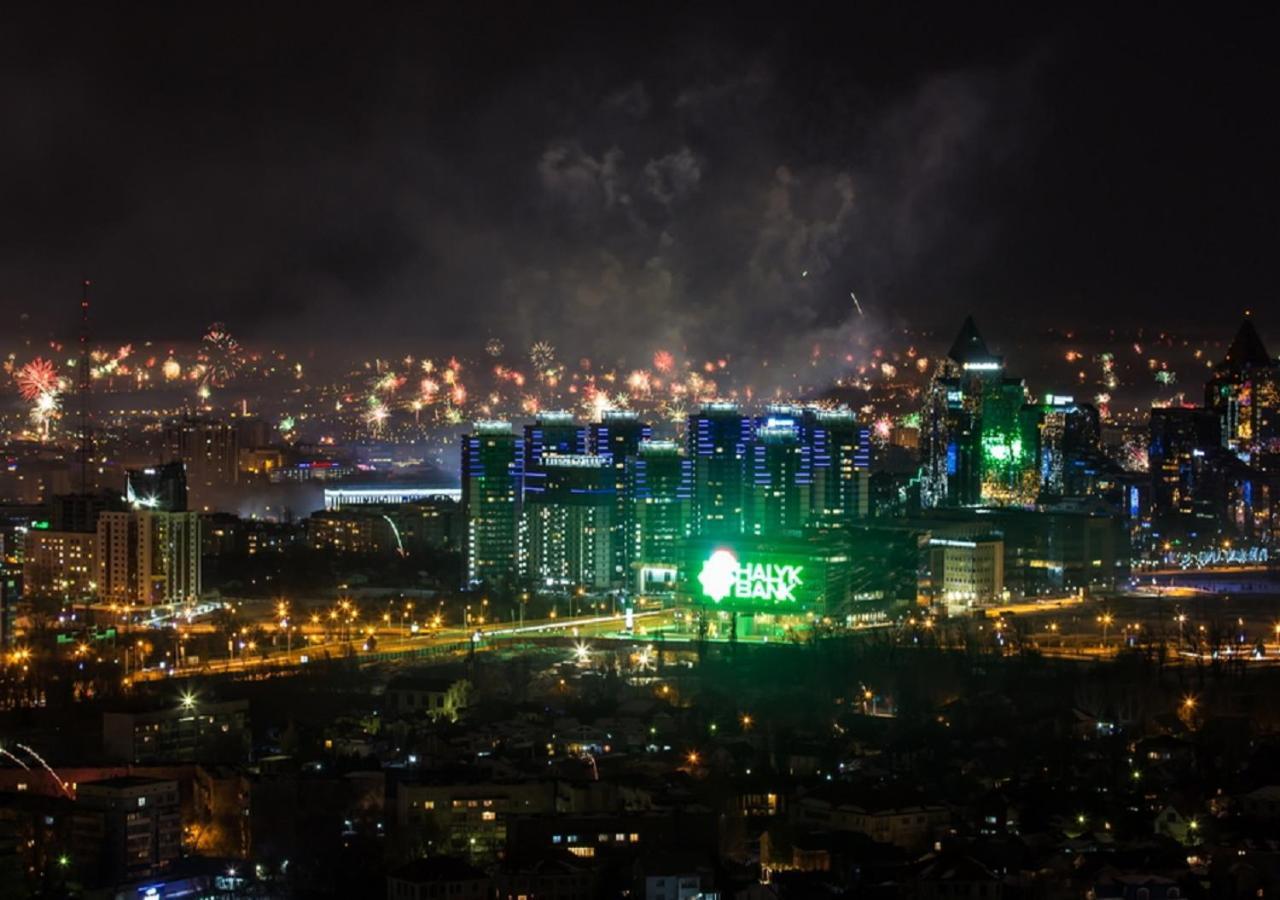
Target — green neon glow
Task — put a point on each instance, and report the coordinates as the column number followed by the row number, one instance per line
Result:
column 724, row 576
column 1001, row 450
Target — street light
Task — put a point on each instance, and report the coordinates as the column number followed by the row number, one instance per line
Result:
column 1106, row 619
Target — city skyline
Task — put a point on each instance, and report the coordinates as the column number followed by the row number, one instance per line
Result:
column 671, row 452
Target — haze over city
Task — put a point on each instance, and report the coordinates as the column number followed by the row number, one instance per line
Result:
column 693, row 452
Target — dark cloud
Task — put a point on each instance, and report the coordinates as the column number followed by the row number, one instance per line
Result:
column 690, row 179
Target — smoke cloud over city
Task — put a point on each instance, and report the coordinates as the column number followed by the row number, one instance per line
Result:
column 731, row 194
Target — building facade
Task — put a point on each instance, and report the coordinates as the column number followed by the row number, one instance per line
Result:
column 492, row 474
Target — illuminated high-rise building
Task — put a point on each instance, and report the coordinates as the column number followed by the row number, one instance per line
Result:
column 492, row 460
column 59, row 565
column 840, row 459
column 618, row 435
column 977, row 445
column 1182, row 444
column 660, row 494
column 567, row 522
column 1068, row 445
column 208, row 449
column 149, row 557
column 554, row 431
column 778, row 494
column 1244, row 393
column 717, row 441
column 162, row 487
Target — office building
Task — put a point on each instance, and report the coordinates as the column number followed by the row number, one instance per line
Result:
column 840, row 462
column 717, row 440
column 618, row 435
column 554, row 431
column 976, row 444
column 1244, row 394
column 967, row 572
column 570, row 502
column 1182, row 443
column 360, row 532
column 659, row 491
column 149, row 557
column 1048, row 550
column 162, row 487
column 778, row 491
column 492, row 474
column 209, row 450
column 1068, row 446
column 59, row 565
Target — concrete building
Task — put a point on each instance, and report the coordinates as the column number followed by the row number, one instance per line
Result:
column 208, row 449
column 967, row 572
column 353, row 531
column 471, row 818
column 149, row 557
column 131, row 827
column 59, row 564
column 432, row 698
column 190, row 732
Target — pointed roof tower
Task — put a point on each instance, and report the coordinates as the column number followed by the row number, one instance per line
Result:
column 969, row 348
column 1247, row 350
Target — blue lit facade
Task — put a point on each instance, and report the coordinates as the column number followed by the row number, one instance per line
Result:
column 717, row 440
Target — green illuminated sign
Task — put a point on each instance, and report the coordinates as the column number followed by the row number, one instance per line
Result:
column 724, row 576
column 1001, row 449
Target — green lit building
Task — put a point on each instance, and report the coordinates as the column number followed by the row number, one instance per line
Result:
column 977, row 442
column 618, row 435
column 491, row 477
column 717, row 440
column 659, row 494
column 567, row 522
column 779, row 484
column 770, row 585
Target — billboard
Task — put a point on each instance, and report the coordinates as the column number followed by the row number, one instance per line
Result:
column 756, row 574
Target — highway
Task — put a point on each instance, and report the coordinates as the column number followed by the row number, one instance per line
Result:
column 439, row 642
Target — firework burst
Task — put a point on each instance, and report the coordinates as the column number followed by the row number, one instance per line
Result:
column 220, row 357
column 37, row 378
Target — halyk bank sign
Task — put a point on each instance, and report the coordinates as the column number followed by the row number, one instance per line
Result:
column 725, row 576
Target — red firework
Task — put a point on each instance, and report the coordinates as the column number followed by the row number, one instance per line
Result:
column 35, row 378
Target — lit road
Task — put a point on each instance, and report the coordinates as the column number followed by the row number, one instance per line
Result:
column 443, row 641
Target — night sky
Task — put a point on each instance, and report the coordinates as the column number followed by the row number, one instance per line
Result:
column 719, row 179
